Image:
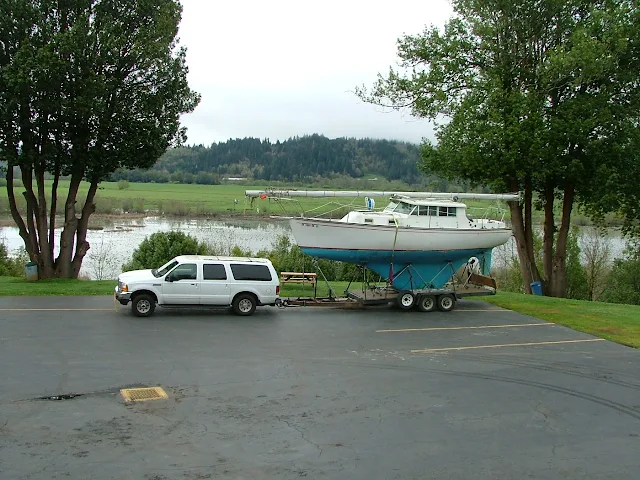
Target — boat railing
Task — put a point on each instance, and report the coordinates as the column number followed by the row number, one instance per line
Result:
column 487, row 213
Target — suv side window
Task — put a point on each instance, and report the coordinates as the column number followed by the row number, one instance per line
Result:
column 186, row 271
column 251, row 272
column 214, row 271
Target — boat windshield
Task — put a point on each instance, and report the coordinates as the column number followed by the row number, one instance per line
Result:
column 404, row 208
column 390, row 207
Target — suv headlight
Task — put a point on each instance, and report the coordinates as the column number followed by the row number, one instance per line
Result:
column 123, row 287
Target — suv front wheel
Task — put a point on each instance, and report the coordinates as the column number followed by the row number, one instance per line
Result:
column 143, row 305
column 245, row 304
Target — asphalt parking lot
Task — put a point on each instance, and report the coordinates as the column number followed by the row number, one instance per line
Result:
column 479, row 392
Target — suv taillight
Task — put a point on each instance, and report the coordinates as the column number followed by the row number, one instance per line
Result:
column 278, row 290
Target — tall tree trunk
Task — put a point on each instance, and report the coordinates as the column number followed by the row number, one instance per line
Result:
column 15, row 213
column 549, row 234
column 528, row 220
column 32, row 208
column 54, row 207
column 63, row 262
column 523, row 233
column 558, row 284
column 528, row 268
column 82, row 246
column 45, row 267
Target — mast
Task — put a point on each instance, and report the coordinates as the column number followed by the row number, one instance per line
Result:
column 272, row 192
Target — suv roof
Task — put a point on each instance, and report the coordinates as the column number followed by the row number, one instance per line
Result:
column 195, row 258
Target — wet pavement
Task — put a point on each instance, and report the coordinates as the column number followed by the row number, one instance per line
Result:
column 479, row 392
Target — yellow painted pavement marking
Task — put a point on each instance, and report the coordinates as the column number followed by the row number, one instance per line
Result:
column 463, row 328
column 432, row 350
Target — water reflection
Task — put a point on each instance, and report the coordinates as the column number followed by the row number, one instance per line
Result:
column 114, row 240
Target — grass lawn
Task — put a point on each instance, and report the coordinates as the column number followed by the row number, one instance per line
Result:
column 10, row 286
column 618, row 323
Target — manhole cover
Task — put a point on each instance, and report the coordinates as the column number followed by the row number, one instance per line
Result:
column 143, row 394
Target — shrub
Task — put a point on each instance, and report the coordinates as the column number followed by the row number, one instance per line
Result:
column 623, row 285
column 12, row 266
column 577, row 284
column 159, row 248
column 123, row 184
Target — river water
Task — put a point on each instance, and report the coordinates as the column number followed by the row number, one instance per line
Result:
column 114, row 244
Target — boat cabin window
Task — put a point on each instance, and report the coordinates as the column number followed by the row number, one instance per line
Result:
column 429, row 210
column 447, row 211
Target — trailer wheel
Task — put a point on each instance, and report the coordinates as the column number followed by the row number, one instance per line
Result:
column 426, row 303
column 446, row 302
column 406, row 300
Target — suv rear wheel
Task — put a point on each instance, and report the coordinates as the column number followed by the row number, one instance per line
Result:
column 244, row 304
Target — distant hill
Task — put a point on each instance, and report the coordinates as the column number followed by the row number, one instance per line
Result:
column 308, row 158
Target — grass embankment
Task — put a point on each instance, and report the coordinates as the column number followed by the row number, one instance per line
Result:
column 618, row 323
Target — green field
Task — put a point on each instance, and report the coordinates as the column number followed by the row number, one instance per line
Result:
column 206, row 200
column 618, row 323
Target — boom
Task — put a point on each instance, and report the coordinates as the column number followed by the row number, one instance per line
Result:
column 376, row 193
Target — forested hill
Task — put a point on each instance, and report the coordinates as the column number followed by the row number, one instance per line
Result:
column 305, row 158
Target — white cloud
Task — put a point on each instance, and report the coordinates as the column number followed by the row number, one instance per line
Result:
column 282, row 68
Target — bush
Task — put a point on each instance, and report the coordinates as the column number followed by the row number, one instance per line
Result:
column 623, row 285
column 159, row 248
column 577, row 284
column 12, row 266
column 123, row 184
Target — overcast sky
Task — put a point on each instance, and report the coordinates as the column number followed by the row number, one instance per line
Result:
column 280, row 68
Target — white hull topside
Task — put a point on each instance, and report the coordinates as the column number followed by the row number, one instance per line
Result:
column 335, row 235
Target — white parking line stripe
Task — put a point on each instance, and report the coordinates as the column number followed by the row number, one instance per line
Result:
column 462, row 328
column 433, row 350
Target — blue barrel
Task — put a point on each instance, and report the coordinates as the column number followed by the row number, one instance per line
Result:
column 31, row 271
column 536, row 288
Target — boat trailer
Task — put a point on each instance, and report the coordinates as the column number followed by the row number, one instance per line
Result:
column 466, row 283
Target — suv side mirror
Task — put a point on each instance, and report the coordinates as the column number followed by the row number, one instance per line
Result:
column 169, row 278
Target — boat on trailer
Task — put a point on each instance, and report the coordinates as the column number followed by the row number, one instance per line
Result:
column 417, row 242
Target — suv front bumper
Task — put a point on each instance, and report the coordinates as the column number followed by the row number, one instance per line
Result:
column 122, row 297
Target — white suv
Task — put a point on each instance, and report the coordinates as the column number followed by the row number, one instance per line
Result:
column 193, row 280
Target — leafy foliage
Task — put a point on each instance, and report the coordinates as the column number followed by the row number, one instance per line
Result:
column 86, row 87
column 299, row 158
column 157, row 249
column 12, row 266
column 624, row 281
column 577, row 284
column 539, row 97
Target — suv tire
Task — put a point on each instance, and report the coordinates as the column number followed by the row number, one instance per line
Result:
column 244, row 304
column 143, row 305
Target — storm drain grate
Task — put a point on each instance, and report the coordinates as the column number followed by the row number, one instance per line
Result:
column 143, row 394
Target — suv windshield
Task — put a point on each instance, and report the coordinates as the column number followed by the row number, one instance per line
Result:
column 164, row 269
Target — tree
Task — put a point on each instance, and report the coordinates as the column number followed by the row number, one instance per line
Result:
column 157, row 249
column 539, row 97
column 86, row 87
